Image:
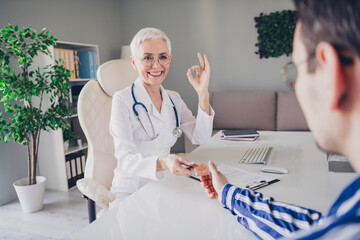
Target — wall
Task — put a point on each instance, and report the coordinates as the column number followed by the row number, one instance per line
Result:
column 84, row 21
column 13, row 167
column 224, row 30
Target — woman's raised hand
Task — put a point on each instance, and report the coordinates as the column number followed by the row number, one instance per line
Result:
column 201, row 81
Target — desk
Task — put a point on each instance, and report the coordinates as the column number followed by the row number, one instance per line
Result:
column 177, row 207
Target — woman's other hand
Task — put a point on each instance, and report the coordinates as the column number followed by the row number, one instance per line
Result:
column 201, row 81
column 174, row 163
column 214, row 183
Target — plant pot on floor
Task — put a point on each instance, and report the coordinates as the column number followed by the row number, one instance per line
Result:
column 31, row 197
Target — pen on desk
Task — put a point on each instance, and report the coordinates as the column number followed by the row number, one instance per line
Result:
column 259, row 186
column 195, row 178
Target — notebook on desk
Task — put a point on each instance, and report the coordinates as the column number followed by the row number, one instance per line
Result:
column 338, row 163
column 240, row 135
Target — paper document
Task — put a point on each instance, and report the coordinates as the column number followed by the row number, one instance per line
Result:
column 243, row 178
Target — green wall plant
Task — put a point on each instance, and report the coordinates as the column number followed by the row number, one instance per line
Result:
column 26, row 93
column 275, row 33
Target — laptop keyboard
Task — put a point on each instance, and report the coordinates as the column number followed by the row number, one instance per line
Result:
column 258, row 155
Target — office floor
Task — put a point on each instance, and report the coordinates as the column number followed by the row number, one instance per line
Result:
column 63, row 214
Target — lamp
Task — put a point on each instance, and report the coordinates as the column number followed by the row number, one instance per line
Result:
column 125, row 52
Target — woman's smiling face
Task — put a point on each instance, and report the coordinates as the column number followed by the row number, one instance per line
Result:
column 152, row 72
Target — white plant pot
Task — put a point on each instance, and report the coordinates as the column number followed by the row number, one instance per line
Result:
column 31, row 197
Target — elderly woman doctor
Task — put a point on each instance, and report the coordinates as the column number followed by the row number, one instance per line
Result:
column 147, row 119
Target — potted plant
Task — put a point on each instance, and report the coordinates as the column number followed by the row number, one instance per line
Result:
column 69, row 137
column 34, row 98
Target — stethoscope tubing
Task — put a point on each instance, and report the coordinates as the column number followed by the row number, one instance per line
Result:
column 136, row 103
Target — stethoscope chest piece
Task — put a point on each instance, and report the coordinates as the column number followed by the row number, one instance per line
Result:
column 177, row 132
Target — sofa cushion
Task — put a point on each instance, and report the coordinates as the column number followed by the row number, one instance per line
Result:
column 244, row 110
column 289, row 114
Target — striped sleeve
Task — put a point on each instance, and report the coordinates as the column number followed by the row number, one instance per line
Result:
column 265, row 217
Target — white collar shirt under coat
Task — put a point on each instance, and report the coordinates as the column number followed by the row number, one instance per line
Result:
column 136, row 152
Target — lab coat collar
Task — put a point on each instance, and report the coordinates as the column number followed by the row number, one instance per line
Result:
column 165, row 96
column 142, row 96
column 141, row 93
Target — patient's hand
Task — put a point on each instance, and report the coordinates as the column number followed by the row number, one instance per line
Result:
column 214, row 183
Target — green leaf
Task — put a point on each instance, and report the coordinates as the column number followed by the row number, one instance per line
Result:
column 16, row 28
column 5, row 35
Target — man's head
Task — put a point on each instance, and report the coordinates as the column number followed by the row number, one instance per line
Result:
column 326, row 52
column 333, row 21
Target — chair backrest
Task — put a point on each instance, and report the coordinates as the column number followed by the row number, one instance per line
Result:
column 94, row 109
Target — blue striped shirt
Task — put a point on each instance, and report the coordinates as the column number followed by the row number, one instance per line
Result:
column 269, row 219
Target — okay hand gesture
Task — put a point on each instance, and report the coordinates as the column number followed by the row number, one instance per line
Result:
column 201, row 81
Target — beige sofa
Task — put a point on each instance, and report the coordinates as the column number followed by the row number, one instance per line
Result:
column 267, row 110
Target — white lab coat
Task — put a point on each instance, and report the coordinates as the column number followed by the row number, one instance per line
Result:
column 136, row 153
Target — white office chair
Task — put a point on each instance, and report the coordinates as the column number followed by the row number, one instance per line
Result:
column 94, row 109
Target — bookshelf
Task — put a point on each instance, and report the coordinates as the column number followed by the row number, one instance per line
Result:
column 63, row 167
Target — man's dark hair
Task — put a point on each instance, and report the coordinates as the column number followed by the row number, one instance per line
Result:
column 333, row 21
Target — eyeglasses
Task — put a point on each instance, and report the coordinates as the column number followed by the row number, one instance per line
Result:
column 289, row 71
column 149, row 61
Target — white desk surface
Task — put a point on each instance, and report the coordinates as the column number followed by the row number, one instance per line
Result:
column 177, row 207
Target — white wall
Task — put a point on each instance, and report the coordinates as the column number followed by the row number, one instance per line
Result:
column 13, row 166
column 84, row 21
column 223, row 29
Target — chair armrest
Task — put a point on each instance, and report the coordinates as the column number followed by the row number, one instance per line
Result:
column 96, row 192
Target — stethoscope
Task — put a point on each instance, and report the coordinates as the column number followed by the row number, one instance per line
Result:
column 177, row 132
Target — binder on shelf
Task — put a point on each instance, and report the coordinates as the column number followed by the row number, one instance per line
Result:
column 67, row 55
column 87, row 64
column 83, row 162
column 74, row 167
column 94, row 55
column 78, row 165
column 68, row 170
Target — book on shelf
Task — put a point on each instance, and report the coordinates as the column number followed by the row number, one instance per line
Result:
column 76, row 61
column 87, row 64
column 68, row 56
column 240, row 135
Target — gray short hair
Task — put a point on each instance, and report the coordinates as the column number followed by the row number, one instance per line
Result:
column 148, row 33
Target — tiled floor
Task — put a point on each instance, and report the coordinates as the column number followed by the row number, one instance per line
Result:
column 63, row 214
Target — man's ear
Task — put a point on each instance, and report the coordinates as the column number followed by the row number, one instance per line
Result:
column 132, row 60
column 334, row 76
